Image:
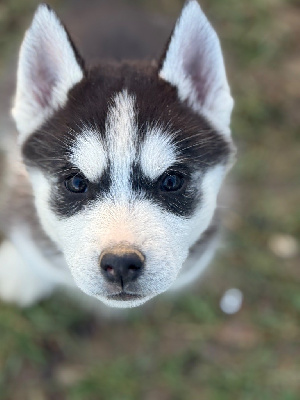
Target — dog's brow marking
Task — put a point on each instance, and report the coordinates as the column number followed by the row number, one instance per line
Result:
column 121, row 133
column 88, row 155
column 158, row 153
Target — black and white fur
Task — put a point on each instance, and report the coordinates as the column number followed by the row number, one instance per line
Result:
column 123, row 128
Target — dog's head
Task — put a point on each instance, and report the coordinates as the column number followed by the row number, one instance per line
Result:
column 126, row 160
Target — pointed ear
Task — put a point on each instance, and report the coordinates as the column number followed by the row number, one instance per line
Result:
column 193, row 63
column 48, row 68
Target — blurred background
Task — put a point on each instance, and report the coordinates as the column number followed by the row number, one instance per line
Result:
column 184, row 347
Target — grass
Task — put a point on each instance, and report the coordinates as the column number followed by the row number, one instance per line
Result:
column 186, row 348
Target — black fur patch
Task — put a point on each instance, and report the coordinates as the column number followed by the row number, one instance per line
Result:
column 182, row 202
column 201, row 147
column 66, row 203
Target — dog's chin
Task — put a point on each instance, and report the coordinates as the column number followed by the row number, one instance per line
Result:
column 124, row 300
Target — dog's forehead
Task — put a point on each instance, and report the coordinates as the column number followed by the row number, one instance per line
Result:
column 121, row 145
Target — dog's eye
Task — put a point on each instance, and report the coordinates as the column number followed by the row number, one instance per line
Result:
column 76, row 184
column 171, row 182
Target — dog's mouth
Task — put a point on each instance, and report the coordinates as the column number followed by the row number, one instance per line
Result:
column 124, row 296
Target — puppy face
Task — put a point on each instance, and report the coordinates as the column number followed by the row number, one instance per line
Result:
column 125, row 169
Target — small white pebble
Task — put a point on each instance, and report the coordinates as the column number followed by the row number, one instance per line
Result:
column 284, row 246
column 231, row 301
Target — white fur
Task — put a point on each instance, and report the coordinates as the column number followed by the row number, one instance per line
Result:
column 16, row 282
column 194, row 266
column 121, row 134
column 210, row 184
column 194, row 64
column 47, row 70
column 158, row 153
column 25, row 275
column 210, row 187
column 89, row 155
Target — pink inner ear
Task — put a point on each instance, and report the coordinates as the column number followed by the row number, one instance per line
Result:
column 48, row 69
column 48, row 59
column 43, row 81
column 200, row 65
column 193, row 65
column 44, row 70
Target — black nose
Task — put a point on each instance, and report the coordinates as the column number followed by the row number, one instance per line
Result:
column 122, row 266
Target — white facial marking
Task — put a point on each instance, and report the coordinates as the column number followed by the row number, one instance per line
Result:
column 163, row 238
column 158, row 153
column 194, row 64
column 47, row 70
column 141, row 225
column 121, row 134
column 89, row 155
column 210, row 184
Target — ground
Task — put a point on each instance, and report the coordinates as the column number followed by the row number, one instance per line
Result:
column 186, row 348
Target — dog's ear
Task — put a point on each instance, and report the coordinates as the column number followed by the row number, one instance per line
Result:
column 193, row 63
column 49, row 66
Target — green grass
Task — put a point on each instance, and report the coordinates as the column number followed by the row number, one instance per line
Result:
column 185, row 348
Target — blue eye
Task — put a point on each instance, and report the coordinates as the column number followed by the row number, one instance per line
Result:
column 76, row 184
column 172, row 182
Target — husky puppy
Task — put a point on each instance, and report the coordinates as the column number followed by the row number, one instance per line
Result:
column 124, row 163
